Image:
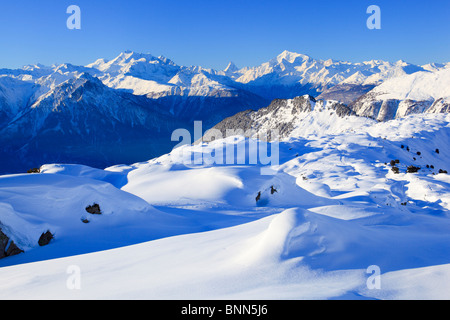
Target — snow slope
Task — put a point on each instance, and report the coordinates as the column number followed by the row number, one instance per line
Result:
column 172, row 229
column 418, row 86
column 250, row 261
column 415, row 93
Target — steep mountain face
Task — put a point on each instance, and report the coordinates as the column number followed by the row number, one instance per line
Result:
column 416, row 93
column 14, row 96
column 83, row 121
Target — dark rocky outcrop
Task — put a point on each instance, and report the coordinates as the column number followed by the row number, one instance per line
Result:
column 5, row 250
column 273, row 190
column 45, row 238
column 94, row 209
column 412, row 169
column 3, row 244
column 13, row 250
column 372, row 105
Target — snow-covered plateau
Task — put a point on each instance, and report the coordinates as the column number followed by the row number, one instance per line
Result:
column 341, row 204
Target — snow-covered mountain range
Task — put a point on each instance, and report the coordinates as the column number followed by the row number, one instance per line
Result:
column 134, row 101
column 420, row 92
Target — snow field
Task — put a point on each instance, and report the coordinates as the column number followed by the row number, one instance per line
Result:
column 173, row 231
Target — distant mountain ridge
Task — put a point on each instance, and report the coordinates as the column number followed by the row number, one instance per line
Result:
column 124, row 110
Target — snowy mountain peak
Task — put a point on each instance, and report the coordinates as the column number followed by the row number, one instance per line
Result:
column 329, row 62
column 86, row 76
column 166, row 60
column 130, row 57
column 231, row 67
column 139, row 66
column 291, row 57
column 35, row 66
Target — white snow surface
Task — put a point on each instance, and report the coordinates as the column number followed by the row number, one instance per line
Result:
column 419, row 86
column 171, row 229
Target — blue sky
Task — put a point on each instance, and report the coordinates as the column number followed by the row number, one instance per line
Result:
column 211, row 33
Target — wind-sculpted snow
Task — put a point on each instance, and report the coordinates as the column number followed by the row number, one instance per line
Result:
column 332, row 211
column 230, row 186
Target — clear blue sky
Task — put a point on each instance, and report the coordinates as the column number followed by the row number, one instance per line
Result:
column 211, row 33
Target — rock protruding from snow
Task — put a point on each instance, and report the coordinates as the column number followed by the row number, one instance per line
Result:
column 45, row 238
column 7, row 246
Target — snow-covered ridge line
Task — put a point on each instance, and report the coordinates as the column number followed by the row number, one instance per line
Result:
column 288, row 68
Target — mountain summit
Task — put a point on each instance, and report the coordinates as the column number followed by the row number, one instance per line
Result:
column 231, row 67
